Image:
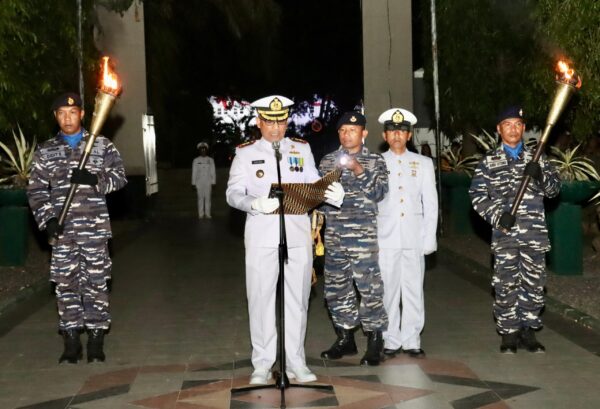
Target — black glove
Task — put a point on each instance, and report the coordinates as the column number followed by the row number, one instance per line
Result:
column 53, row 229
column 83, row 177
column 534, row 171
column 507, row 221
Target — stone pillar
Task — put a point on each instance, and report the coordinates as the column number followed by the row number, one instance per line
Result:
column 122, row 38
column 387, row 61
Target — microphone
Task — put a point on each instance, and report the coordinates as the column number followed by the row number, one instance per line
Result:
column 276, row 149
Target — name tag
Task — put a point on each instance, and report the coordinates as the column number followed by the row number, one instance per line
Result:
column 497, row 162
column 258, row 162
column 58, row 154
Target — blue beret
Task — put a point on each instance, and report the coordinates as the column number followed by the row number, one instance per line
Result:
column 514, row 111
column 68, row 99
column 351, row 118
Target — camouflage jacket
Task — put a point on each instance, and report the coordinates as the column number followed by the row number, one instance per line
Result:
column 49, row 184
column 356, row 219
column 493, row 190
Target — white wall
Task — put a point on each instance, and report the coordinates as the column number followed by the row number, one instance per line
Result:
column 122, row 38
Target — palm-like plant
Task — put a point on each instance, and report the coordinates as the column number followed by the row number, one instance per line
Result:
column 452, row 161
column 18, row 164
column 487, row 141
column 572, row 166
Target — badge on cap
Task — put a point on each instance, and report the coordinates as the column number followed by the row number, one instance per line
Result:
column 353, row 118
column 397, row 117
column 70, row 101
column 275, row 105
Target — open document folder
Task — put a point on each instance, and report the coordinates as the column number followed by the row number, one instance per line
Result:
column 299, row 198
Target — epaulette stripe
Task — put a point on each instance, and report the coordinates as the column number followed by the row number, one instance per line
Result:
column 243, row 145
column 298, row 140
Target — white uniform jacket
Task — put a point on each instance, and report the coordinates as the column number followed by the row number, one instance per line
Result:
column 253, row 171
column 203, row 171
column 408, row 214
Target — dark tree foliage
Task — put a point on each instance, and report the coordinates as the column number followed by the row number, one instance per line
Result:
column 38, row 59
column 484, row 54
column 493, row 53
column 571, row 29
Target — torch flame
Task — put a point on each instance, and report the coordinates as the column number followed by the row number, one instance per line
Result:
column 567, row 74
column 110, row 82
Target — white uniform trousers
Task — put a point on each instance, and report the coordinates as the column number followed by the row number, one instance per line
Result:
column 203, row 199
column 262, row 270
column 403, row 272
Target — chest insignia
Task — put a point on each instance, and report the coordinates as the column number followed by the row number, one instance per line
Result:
column 498, row 161
column 413, row 173
column 260, row 173
column 413, row 164
column 296, row 163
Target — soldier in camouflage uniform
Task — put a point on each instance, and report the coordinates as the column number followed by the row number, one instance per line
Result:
column 519, row 243
column 351, row 243
column 80, row 265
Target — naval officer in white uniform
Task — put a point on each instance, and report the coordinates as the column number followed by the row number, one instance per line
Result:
column 252, row 172
column 407, row 224
column 203, row 178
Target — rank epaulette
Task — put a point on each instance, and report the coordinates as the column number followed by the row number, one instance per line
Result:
column 243, row 145
column 298, row 140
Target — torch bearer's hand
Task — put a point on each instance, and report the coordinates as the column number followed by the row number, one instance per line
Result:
column 83, row 177
column 53, row 229
column 507, row 221
column 534, row 171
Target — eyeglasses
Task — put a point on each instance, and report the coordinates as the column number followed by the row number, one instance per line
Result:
column 271, row 124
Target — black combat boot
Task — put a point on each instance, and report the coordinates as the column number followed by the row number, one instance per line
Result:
column 95, row 345
column 509, row 343
column 529, row 342
column 343, row 345
column 72, row 352
column 374, row 355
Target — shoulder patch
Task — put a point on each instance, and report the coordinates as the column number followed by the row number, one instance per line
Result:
column 298, row 140
column 243, row 145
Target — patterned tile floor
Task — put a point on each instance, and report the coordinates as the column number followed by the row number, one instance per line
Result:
column 180, row 341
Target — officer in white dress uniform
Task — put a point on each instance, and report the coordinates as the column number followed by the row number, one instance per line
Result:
column 203, row 177
column 407, row 224
column 252, row 172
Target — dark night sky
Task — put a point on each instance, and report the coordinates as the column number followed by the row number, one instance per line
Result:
column 257, row 48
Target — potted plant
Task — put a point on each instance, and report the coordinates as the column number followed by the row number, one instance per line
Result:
column 456, row 173
column 579, row 182
column 14, row 213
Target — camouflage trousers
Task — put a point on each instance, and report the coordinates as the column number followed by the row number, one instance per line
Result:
column 518, row 281
column 342, row 270
column 80, row 272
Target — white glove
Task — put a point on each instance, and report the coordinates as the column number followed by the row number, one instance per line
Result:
column 265, row 205
column 335, row 192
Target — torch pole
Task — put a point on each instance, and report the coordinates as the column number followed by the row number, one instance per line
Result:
column 563, row 94
column 104, row 103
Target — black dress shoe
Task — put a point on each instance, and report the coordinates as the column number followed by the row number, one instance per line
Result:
column 415, row 353
column 509, row 343
column 391, row 352
column 529, row 341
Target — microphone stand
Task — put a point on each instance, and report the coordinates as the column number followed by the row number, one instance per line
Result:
column 281, row 379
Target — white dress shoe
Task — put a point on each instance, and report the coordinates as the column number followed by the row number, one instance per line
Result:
column 260, row 377
column 301, row 374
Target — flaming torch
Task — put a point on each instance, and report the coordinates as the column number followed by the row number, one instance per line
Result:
column 110, row 88
column 567, row 82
